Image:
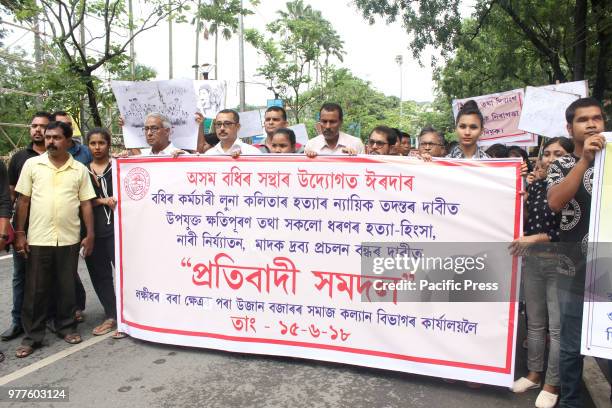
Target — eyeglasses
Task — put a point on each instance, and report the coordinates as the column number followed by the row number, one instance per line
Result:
column 430, row 144
column 219, row 125
column 152, row 129
column 378, row 143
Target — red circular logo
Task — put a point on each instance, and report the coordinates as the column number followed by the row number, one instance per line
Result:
column 136, row 183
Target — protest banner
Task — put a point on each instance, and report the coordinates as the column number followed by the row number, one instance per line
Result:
column 210, row 96
column 174, row 98
column 282, row 255
column 501, row 112
column 597, row 320
column 544, row 112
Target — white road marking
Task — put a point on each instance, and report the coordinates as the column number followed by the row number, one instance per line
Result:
column 52, row 359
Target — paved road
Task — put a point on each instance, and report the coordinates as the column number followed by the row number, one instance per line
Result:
column 134, row 373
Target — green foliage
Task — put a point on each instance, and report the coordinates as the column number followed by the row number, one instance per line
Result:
column 367, row 107
column 302, row 39
column 547, row 36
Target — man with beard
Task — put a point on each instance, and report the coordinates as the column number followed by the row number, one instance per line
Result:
column 381, row 141
column 38, row 125
column 332, row 140
column 53, row 187
column 227, row 124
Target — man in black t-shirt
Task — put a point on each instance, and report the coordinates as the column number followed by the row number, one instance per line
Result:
column 38, row 125
column 570, row 182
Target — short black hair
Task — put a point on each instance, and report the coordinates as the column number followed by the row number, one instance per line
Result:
column 566, row 143
column 497, row 151
column 41, row 114
column 233, row 112
column 387, row 131
column 287, row 132
column 431, row 129
column 470, row 108
column 100, row 131
column 278, row 109
column 570, row 112
column 332, row 107
column 66, row 129
column 211, row 139
column 517, row 149
column 55, row 114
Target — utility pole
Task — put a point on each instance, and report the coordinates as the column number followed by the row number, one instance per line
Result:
column 37, row 44
column 400, row 60
column 170, row 75
column 241, row 62
column 196, row 65
column 132, row 56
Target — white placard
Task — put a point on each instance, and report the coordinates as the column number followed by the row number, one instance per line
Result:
column 597, row 312
column 251, row 123
column 210, row 97
column 301, row 134
column 577, row 87
column 174, row 98
column 544, row 112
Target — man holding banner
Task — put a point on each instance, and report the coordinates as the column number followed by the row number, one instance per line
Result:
column 570, row 182
column 227, row 124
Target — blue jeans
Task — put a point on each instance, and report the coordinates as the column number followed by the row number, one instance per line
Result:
column 571, row 296
column 18, row 286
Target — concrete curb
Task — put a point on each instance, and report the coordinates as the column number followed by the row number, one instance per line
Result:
column 596, row 383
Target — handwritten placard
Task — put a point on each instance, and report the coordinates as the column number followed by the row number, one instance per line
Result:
column 501, row 112
column 174, row 98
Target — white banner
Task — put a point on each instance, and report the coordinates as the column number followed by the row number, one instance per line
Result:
column 597, row 315
column 174, row 98
column 262, row 254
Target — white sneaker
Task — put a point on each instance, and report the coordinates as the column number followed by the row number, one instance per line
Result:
column 523, row 384
column 546, row 399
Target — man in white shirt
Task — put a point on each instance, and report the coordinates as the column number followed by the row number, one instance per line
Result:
column 332, row 140
column 227, row 124
column 157, row 132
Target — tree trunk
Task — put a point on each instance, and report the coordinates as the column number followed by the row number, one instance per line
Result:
column 549, row 53
column 605, row 48
column 92, row 99
column 580, row 48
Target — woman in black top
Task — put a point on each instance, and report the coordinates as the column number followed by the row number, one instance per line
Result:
column 100, row 262
column 540, row 279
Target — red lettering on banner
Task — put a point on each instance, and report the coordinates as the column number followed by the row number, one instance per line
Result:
column 281, row 274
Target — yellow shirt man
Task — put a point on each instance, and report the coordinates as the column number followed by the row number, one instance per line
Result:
column 55, row 196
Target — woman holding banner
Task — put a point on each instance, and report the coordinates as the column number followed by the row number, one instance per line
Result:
column 540, row 280
column 469, row 127
column 100, row 262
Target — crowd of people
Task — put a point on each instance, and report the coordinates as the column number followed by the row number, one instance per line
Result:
column 62, row 195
